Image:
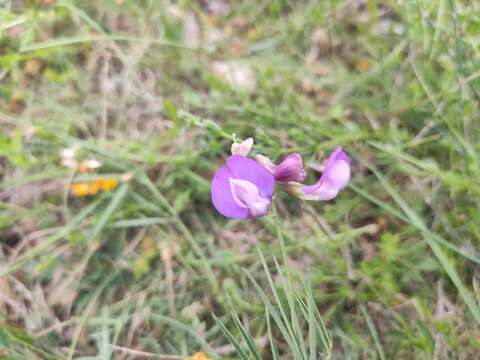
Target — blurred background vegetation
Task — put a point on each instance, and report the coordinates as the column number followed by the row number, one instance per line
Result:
column 114, row 115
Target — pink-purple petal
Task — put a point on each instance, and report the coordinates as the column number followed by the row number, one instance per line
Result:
column 244, row 168
column 250, row 203
column 337, row 174
column 290, row 169
column 242, row 148
column 337, row 154
column 334, row 178
column 323, row 192
column 222, row 197
column 246, row 195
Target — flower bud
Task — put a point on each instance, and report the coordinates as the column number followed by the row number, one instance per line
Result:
column 265, row 162
column 290, row 169
column 242, row 148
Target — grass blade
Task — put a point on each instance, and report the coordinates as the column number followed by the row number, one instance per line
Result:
column 373, row 332
column 273, row 345
column 241, row 352
column 248, row 339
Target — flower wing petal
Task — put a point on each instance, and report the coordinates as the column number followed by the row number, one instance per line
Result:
column 246, row 195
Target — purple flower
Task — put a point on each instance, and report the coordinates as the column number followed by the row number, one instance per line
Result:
column 290, row 169
column 334, row 178
column 242, row 188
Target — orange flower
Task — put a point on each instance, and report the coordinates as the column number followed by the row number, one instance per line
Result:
column 83, row 189
column 80, row 189
column 107, row 184
column 198, row 356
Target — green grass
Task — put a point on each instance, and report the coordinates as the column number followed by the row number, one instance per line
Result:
column 389, row 270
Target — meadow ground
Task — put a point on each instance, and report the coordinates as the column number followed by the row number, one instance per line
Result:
column 134, row 262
